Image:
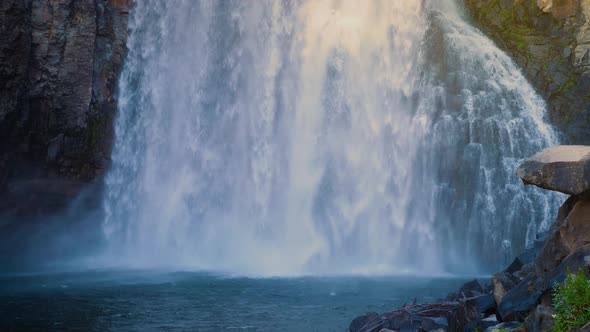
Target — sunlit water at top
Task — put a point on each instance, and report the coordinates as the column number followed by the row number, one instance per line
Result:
column 320, row 137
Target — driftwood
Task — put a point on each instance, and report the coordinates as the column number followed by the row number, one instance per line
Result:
column 410, row 312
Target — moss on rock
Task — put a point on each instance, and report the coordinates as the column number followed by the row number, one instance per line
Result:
column 543, row 41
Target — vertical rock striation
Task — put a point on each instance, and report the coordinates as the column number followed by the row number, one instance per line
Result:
column 59, row 63
column 550, row 40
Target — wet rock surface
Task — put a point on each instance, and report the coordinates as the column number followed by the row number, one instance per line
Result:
column 59, row 65
column 550, row 41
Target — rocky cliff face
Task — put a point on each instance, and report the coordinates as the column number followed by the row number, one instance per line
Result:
column 550, row 40
column 59, row 62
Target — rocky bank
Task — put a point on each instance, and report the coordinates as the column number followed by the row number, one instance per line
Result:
column 550, row 41
column 59, row 66
column 520, row 297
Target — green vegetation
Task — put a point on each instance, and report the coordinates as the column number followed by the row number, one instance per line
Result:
column 568, row 85
column 572, row 302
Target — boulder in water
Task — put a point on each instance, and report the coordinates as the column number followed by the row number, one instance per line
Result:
column 563, row 168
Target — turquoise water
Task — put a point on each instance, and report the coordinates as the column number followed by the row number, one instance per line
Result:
column 187, row 301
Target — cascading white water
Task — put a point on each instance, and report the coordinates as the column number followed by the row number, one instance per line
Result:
column 294, row 137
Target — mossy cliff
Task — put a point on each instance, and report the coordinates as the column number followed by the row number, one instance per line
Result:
column 550, row 40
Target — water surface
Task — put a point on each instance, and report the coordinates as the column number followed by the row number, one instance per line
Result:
column 187, row 301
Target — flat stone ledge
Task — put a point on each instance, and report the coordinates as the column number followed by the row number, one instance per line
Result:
column 562, row 168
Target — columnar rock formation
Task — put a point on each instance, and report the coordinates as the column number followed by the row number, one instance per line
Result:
column 550, row 40
column 59, row 64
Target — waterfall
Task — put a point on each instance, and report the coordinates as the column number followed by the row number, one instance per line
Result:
column 287, row 137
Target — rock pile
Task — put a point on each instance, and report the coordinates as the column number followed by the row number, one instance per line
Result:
column 520, row 297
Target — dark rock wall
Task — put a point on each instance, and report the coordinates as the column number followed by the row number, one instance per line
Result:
column 550, row 40
column 59, row 63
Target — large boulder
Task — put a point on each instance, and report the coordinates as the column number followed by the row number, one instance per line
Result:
column 552, row 254
column 502, row 283
column 575, row 230
column 570, row 233
column 519, row 300
column 563, row 168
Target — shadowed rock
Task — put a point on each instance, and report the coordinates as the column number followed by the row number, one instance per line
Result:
column 553, row 252
column 570, row 233
column 523, row 298
column 519, row 300
column 502, row 283
column 575, row 230
column 540, row 319
column 563, row 168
